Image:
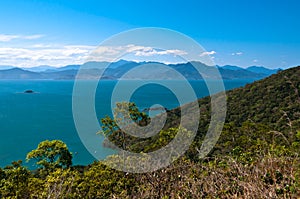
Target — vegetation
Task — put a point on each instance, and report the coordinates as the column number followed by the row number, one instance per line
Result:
column 257, row 155
column 51, row 154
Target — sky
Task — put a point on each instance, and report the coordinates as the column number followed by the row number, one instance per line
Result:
column 233, row 32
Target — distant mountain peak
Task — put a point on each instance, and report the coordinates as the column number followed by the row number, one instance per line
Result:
column 262, row 70
column 40, row 68
column 230, row 67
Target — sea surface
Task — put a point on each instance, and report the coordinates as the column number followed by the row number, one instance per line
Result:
column 27, row 119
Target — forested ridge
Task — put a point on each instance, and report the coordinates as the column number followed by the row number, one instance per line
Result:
column 256, row 155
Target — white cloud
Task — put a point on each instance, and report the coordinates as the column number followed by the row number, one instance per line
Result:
column 60, row 55
column 7, row 37
column 207, row 53
column 237, row 53
column 150, row 51
column 109, row 53
column 54, row 56
column 133, row 48
column 154, row 52
column 31, row 37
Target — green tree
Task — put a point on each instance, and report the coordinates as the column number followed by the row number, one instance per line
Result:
column 100, row 181
column 14, row 181
column 51, row 154
column 125, row 114
column 122, row 117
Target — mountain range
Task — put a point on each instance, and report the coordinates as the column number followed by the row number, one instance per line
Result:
column 116, row 70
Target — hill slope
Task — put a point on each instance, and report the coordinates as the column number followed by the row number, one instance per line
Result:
column 273, row 101
column 267, row 110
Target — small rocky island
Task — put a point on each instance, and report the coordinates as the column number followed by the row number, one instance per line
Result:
column 29, row 91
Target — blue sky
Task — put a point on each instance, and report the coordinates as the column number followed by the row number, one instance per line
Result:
column 236, row 32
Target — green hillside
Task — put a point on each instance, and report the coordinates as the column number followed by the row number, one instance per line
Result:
column 268, row 109
column 274, row 101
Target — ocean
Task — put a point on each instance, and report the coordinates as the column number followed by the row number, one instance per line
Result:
column 27, row 119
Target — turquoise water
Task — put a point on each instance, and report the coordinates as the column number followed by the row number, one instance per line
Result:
column 27, row 119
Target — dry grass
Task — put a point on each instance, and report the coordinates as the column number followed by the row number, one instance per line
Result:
column 268, row 178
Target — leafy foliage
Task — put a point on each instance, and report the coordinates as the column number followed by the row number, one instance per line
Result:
column 14, row 181
column 51, row 154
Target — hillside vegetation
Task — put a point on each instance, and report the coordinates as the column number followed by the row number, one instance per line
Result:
column 271, row 104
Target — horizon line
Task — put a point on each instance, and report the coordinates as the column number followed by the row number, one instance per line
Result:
column 135, row 61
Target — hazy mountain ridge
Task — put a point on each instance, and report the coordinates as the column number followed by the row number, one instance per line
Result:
column 115, row 70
